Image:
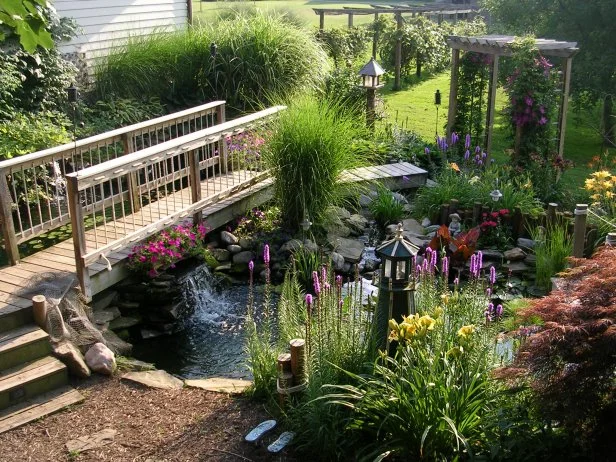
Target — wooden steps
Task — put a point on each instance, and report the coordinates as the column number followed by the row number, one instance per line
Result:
column 21, row 345
column 40, row 406
column 32, row 383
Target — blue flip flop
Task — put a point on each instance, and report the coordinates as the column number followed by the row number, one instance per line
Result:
column 257, row 433
column 282, row 441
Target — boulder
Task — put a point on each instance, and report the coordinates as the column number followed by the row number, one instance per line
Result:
column 100, row 359
column 221, row 255
column 491, row 254
column 337, row 229
column 105, row 300
column 247, row 243
column 171, row 311
column 124, row 322
column 310, row 246
column 228, row 238
column 234, row 248
column 432, row 229
column 425, row 222
column 291, row 246
column 116, row 344
column 515, row 254
column 350, row 249
column 223, row 268
column 337, row 261
column 70, row 355
column 357, row 223
column 366, row 199
column 243, row 258
column 412, row 226
column 155, row 379
column 104, row 316
column 332, row 212
column 517, row 267
column 525, row 243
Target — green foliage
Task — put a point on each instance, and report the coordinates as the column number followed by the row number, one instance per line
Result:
column 341, row 87
column 344, row 45
column 258, row 221
column 26, row 19
column 408, row 146
column 309, row 147
column 26, row 133
column 423, row 44
column 553, row 246
column 114, row 113
column 386, row 209
column 258, row 58
column 432, row 399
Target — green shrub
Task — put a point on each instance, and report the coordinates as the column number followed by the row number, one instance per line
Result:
column 114, row 113
column 257, row 57
column 344, row 45
column 27, row 133
column 341, row 87
column 386, row 209
column 554, row 245
column 309, row 147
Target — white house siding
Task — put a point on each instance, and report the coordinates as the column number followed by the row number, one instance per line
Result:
column 105, row 24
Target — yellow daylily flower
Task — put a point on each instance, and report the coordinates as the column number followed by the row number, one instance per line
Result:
column 466, row 331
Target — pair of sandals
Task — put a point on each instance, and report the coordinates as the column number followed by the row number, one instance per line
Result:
column 260, row 430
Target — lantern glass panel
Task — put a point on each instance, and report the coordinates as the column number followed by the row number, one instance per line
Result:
column 387, row 272
column 401, row 270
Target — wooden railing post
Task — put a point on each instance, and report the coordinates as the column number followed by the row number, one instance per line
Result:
column 79, row 235
column 133, row 184
column 222, row 144
column 579, row 230
column 194, row 179
column 6, row 217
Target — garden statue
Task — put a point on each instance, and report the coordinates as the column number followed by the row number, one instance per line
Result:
column 454, row 226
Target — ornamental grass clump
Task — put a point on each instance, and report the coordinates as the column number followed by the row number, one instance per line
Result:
column 164, row 250
column 310, row 146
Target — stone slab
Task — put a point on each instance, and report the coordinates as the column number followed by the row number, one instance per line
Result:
column 350, row 249
column 220, row 385
column 155, row 379
column 93, row 441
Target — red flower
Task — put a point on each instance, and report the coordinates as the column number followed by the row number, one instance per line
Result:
column 503, row 212
column 494, row 214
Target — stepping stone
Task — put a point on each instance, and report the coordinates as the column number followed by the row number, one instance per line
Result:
column 350, row 249
column 257, row 433
column 94, row 441
column 283, row 440
column 155, row 379
column 220, row 385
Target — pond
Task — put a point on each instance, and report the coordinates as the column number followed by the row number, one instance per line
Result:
column 210, row 340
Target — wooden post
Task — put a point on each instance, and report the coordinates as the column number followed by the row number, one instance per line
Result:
column 285, row 376
column 453, row 91
column 321, row 21
column 39, row 311
column 350, row 20
column 298, row 360
column 517, row 223
column 551, row 218
column 398, row 61
column 476, row 213
column 444, row 216
column 6, row 219
column 453, row 206
column 564, row 105
column 221, row 118
column 579, row 229
column 189, row 11
column 79, row 235
column 133, row 184
column 370, row 107
column 491, row 106
column 375, row 37
column 284, row 363
column 194, row 179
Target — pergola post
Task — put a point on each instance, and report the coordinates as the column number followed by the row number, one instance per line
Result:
column 562, row 123
column 491, row 104
column 453, row 90
column 350, row 20
column 398, row 68
column 321, row 21
column 375, row 37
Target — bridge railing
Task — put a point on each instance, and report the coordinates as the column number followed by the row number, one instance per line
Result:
column 33, row 195
column 151, row 189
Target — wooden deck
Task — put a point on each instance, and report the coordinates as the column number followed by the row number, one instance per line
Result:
column 60, row 258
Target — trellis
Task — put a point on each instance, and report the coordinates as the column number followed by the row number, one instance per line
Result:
column 440, row 11
column 500, row 45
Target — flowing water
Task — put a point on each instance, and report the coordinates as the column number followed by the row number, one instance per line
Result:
column 210, row 340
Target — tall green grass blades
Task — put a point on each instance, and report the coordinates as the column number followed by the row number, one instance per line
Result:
column 553, row 245
column 386, row 209
column 309, row 148
column 257, row 56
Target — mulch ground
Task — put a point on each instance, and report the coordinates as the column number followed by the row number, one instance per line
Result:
column 152, row 425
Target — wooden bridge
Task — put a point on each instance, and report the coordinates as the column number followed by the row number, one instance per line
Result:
column 118, row 188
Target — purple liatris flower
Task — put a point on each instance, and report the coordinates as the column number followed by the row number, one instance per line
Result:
column 309, row 300
column 488, row 292
column 499, row 310
column 473, row 264
column 315, row 283
column 339, row 281
column 454, row 138
column 467, row 155
column 326, row 286
column 477, row 149
column 456, row 281
column 251, row 266
column 492, row 275
column 427, row 151
column 323, row 274
column 418, row 269
column 432, row 260
column 445, row 265
column 266, row 254
column 479, row 261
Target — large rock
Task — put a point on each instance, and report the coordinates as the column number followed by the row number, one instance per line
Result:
column 234, row 248
column 243, row 258
column 105, row 300
column 357, row 223
column 220, row 385
column 247, row 243
column 70, row 355
column 491, row 254
column 350, row 249
column 332, row 212
column 106, row 315
column 337, row 261
column 337, row 229
column 221, row 255
column 116, row 344
column 291, row 246
column 124, row 322
column 100, row 359
column 155, row 379
column 526, row 243
column 515, row 254
column 412, row 226
column 310, row 246
column 228, row 238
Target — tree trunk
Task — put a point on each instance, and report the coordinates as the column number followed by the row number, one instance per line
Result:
column 609, row 122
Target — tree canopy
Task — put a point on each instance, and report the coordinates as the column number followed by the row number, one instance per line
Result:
column 26, row 19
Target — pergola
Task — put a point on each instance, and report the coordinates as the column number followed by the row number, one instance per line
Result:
column 500, row 45
column 451, row 10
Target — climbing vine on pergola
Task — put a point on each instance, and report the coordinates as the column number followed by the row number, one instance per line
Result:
column 497, row 46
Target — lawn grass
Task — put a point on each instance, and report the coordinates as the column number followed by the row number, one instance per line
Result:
column 413, row 108
column 208, row 11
